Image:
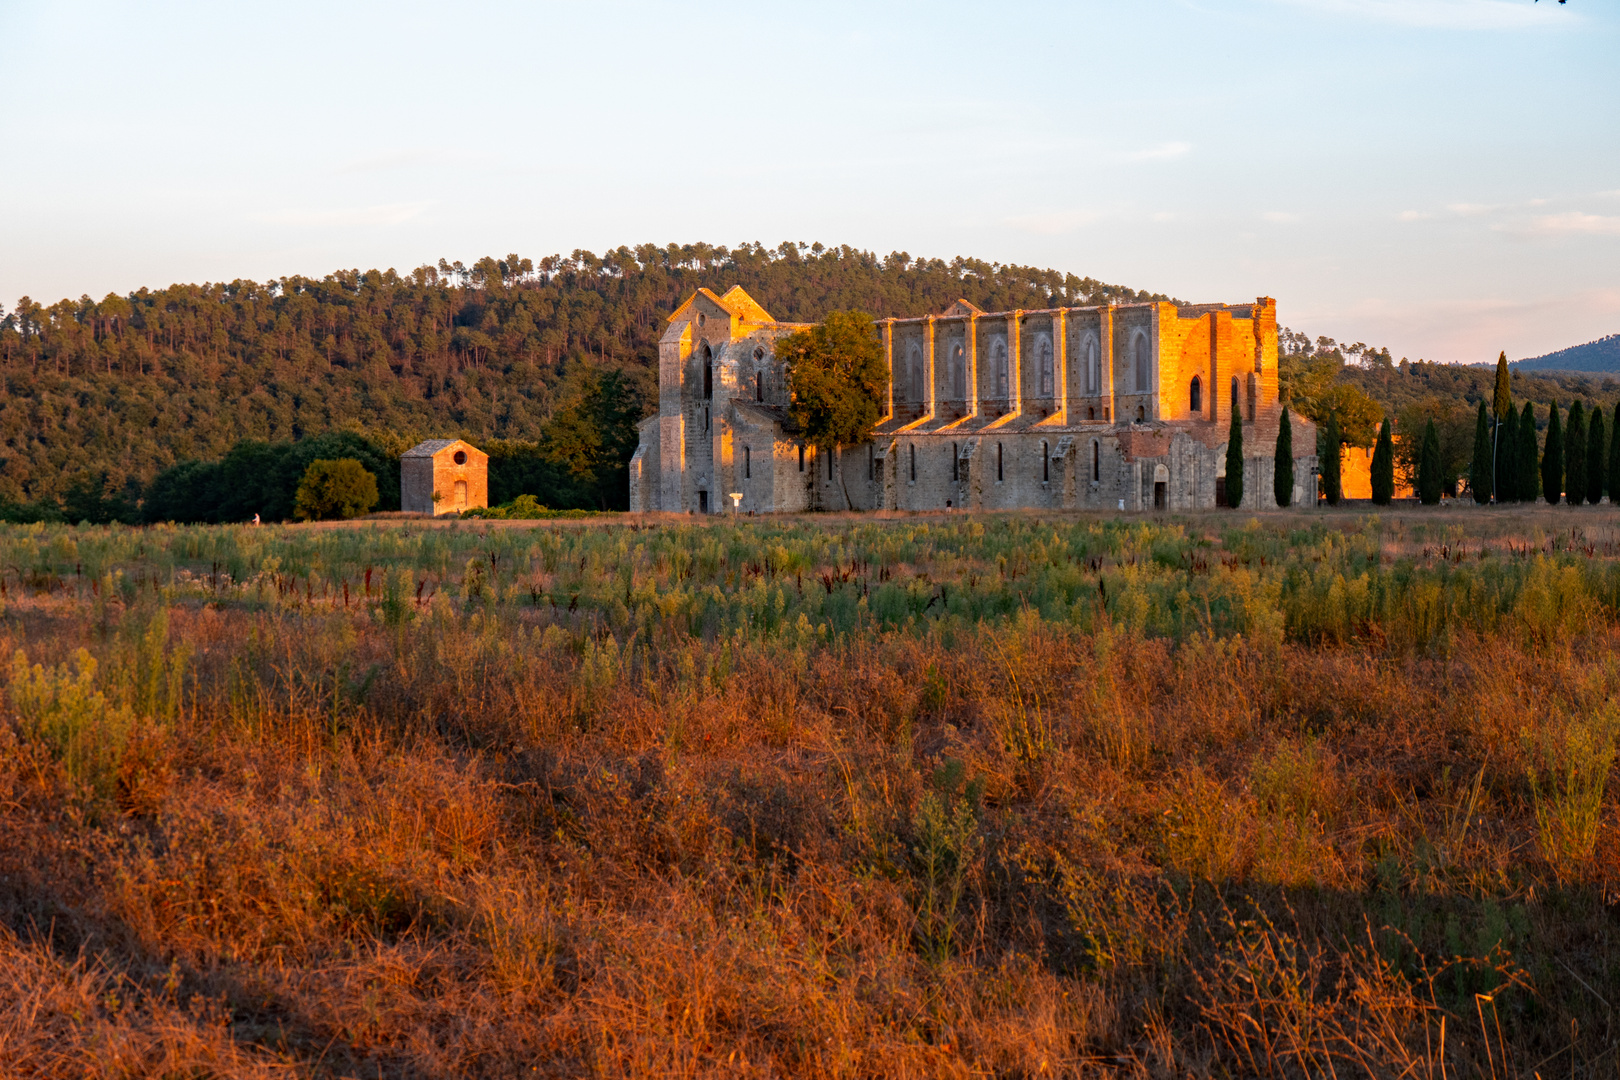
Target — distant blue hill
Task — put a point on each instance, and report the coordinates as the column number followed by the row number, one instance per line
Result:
column 1600, row 355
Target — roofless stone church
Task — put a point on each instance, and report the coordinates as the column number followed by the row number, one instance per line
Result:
column 1116, row 406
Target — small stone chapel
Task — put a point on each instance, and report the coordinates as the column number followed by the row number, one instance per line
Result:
column 443, row 476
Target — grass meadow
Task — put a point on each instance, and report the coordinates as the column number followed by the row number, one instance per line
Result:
column 1311, row 794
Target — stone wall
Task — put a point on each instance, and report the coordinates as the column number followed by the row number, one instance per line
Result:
column 998, row 410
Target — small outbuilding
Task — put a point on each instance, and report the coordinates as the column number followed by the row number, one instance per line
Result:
column 443, row 476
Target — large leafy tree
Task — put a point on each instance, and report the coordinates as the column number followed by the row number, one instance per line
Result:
column 1454, row 435
column 1316, row 388
column 1383, row 467
column 1479, row 470
column 334, row 489
column 1552, row 459
column 838, row 376
column 1282, row 476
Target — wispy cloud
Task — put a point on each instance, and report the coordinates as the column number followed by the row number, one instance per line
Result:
column 1463, row 209
column 1413, row 215
column 390, row 214
column 1575, row 222
column 1166, row 151
column 1281, row 217
column 1442, row 14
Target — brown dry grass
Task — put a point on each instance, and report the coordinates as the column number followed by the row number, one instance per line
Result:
column 469, row 845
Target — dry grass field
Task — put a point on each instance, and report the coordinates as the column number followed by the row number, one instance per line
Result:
column 1315, row 794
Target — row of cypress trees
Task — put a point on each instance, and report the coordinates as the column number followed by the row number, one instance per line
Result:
column 1578, row 462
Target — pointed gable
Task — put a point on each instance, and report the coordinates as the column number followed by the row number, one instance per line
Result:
column 744, row 307
column 961, row 308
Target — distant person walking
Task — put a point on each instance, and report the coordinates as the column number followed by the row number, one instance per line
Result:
column 255, row 519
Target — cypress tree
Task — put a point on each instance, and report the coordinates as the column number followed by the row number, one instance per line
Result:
column 1613, row 476
column 1332, row 470
column 1597, row 458
column 1525, row 442
column 1479, row 472
column 1502, row 401
column 1575, row 455
column 1507, row 457
column 1428, row 477
column 1552, row 460
column 1282, row 475
column 1234, row 462
column 1383, row 466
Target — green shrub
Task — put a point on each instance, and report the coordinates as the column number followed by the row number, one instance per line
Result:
column 1567, row 788
column 334, row 489
column 63, row 711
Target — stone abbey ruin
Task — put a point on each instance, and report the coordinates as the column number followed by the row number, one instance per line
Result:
column 1111, row 407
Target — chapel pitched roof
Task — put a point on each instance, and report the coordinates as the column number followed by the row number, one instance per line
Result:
column 434, row 447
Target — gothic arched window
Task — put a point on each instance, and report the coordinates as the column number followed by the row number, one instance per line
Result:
column 1195, row 395
column 1043, row 352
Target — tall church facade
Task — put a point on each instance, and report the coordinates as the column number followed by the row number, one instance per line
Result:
column 1109, row 407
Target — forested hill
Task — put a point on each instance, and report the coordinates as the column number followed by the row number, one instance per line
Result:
column 1600, row 355
column 109, row 393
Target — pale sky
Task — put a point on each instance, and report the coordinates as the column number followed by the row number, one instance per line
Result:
column 1438, row 176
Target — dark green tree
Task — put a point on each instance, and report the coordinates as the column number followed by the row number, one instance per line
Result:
column 1506, row 460
column 1282, row 476
column 1332, row 462
column 1575, row 455
column 1612, row 476
column 1234, row 461
column 1527, row 444
column 1597, row 457
column 1552, row 460
column 1383, row 466
column 838, row 376
column 1479, row 470
column 334, row 489
column 1430, row 478
column 1502, row 399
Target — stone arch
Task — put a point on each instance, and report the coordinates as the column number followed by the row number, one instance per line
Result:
column 1043, row 364
column 998, row 367
column 1195, row 396
column 958, row 371
column 916, row 372
column 1142, row 362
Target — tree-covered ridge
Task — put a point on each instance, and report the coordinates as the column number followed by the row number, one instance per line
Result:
column 109, row 393
column 1602, row 355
